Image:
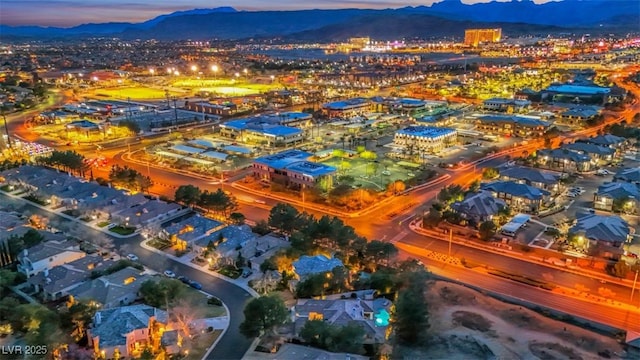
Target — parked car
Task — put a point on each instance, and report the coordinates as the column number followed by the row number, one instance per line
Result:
column 196, row 285
column 169, row 274
column 132, row 257
column 184, row 279
column 246, row 273
column 386, row 172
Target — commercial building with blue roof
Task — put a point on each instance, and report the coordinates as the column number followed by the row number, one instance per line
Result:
column 523, row 126
column 586, row 94
column 263, row 129
column 292, row 168
column 346, row 108
column 425, row 138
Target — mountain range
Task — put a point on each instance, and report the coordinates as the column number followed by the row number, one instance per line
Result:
column 446, row 18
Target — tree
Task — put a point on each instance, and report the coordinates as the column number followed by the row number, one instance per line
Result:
column 7, row 279
column 76, row 319
column 161, row 293
column 262, row 228
column 487, row 230
column 218, row 201
column 380, row 251
column 490, row 173
column 411, row 317
column 188, row 194
column 433, row 217
column 621, row 269
column 284, row 217
column 474, row 186
column 262, row 315
column 348, row 338
column 126, row 177
column 396, row 187
column 32, row 238
column 66, row 161
column 237, row 218
column 133, row 126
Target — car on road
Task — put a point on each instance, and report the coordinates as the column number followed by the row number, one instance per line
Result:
column 184, row 279
column 364, row 176
column 246, row 273
column 196, row 285
column 169, row 274
column 386, row 172
column 132, row 257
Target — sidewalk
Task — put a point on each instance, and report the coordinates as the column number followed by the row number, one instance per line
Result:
column 516, row 255
column 186, row 260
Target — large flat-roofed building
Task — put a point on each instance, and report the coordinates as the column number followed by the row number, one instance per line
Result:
column 225, row 109
column 264, row 130
column 292, row 168
column 571, row 93
column 524, row 126
column 425, row 138
column 346, row 108
column 507, row 105
column 473, row 37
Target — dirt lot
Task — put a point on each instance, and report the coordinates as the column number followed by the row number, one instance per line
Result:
column 468, row 325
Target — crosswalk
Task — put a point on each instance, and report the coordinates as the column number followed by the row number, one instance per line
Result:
column 398, row 237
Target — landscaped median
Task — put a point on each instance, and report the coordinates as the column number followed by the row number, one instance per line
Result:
column 122, row 230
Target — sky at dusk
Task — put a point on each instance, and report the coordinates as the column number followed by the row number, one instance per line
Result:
column 66, row 13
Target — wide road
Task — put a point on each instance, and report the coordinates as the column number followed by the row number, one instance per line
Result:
column 232, row 345
column 622, row 318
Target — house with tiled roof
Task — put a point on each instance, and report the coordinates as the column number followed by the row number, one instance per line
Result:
column 117, row 289
column 542, row 179
column 607, row 232
column 601, row 154
column 48, row 254
column 125, row 331
column 371, row 315
column 57, row 282
column 617, row 196
column 309, row 265
column 479, row 207
column 630, row 175
column 519, row 197
column 615, row 142
column 565, row 160
column 186, row 232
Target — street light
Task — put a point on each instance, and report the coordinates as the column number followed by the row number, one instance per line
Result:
column 152, row 71
column 214, row 69
column 194, row 68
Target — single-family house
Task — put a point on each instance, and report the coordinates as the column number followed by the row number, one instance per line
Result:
column 187, row 231
column 519, row 197
column 117, row 289
column 48, row 254
column 148, row 213
column 262, row 248
column 226, row 243
column 289, row 351
column 57, row 282
column 309, row 265
column 479, row 207
column 125, row 331
column 617, row 196
column 371, row 315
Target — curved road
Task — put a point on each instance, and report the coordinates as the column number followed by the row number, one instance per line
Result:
column 232, row 345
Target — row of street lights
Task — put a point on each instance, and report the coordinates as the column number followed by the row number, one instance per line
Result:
column 194, row 68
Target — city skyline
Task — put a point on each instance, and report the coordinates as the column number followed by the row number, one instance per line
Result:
column 56, row 12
